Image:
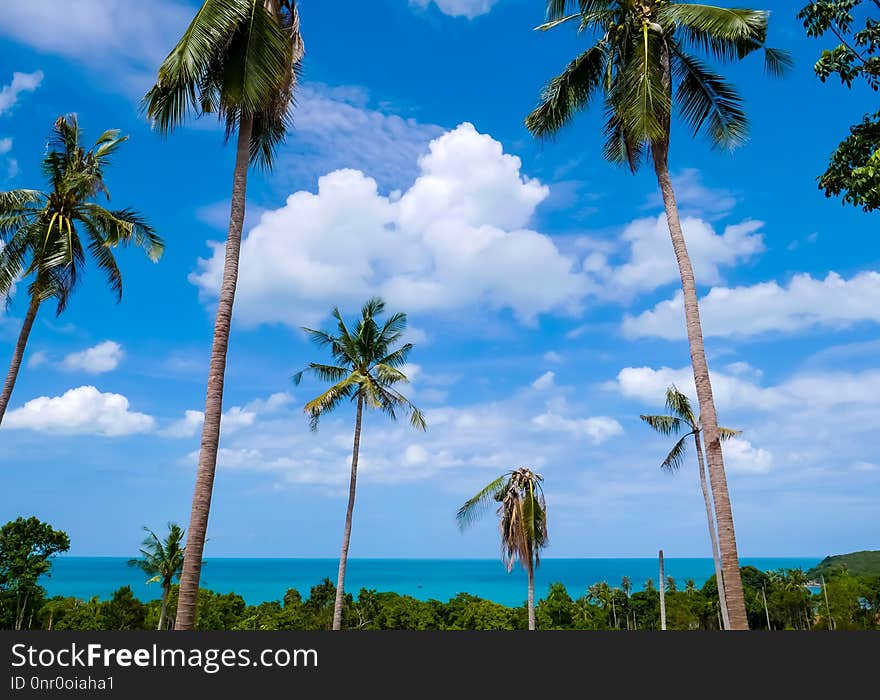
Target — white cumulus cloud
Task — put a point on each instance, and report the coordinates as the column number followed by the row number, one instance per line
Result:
column 232, row 420
column 101, row 358
column 597, row 429
column 743, row 458
column 80, row 411
column 458, row 8
column 457, row 238
column 805, row 302
column 21, row 82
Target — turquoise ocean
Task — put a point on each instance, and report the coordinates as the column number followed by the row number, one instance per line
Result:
column 259, row 580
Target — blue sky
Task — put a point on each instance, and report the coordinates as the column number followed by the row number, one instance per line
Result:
column 539, row 281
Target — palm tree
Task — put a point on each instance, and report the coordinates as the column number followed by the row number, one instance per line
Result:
column 690, row 586
column 366, row 370
column 45, row 235
column 681, row 417
column 162, row 561
column 238, row 59
column 643, row 62
column 522, row 514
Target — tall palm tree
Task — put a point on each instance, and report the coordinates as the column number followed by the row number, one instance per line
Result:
column 44, row 236
column 662, row 581
column 522, row 513
column 366, row 369
column 162, row 561
column 681, row 417
column 238, row 59
column 644, row 61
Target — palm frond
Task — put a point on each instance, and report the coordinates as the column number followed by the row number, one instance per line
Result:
column 679, row 405
column 475, row 506
column 193, row 62
column 706, row 99
column 727, row 433
column 639, row 94
column 725, row 34
column 569, row 92
column 673, row 460
column 328, row 400
column 665, row 425
column 777, row 62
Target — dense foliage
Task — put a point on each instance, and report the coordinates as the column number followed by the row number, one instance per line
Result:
column 854, row 169
column 853, row 603
column 865, row 563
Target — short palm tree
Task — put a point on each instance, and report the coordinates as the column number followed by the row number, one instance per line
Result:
column 238, row 59
column 46, row 236
column 522, row 513
column 366, row 370
column 681, row 418
column 643, row 63
column 162, row 561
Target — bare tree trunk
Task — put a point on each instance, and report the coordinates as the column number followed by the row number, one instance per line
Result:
column 346, row 537
column 17, row 355
column 766, row 609
column 713, row 535
column 662, row 594
column 827, row 606
column 163, row 614
column 736, row 606
column 21, row 610
column 531, row 572
column 201, row 504
column 614, row 611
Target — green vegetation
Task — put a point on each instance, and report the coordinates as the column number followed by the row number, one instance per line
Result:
column 854, row 168
column 866, row 563
column 238, row 59
column 26, row 550
column 162, row 561
column 366, row 369
column 522, row 516
column 854, row 604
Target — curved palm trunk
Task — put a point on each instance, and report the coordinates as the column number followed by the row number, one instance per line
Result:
column 17, row 355
column 163, row 614
column 201, row 505
column 723, row 511
column 713, row 536
column 346, row 537
column 662, row 594
column 530, row 569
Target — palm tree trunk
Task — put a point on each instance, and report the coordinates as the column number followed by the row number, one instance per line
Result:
column 766, row 609
column 163, row 614
column 614, row 611
column 17, row 355
column 531, row 572
column 662, row 595
column 713, row 536
column 346, row 537
column 736, row 606
column 201, row 504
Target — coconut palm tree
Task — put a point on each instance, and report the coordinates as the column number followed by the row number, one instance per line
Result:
column 162, row 561
column 681, row 417
column 366, row 371
column 522, row 514
column 238, row 59
column 45, row 236
column 644, row 61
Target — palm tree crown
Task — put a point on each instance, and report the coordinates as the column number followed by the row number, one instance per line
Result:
column 681, row 417
column 645, row 59
column 522, row 513
column 366, row 365
column 161, row 560
column 47, row 234
column 238, row 59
